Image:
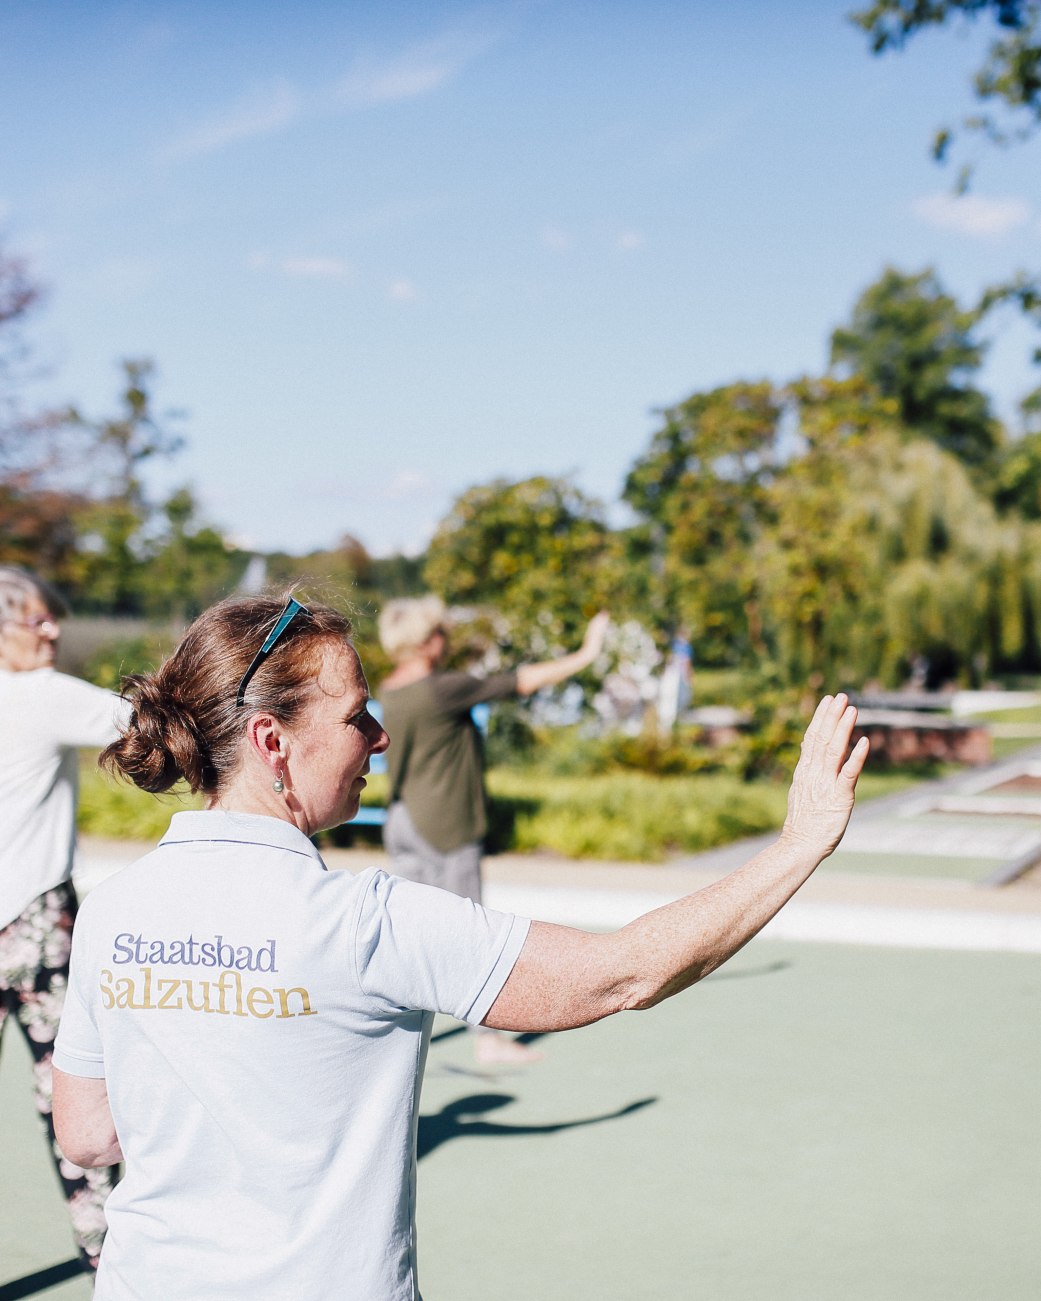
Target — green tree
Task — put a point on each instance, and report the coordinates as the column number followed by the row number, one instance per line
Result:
column 538, row 553
column 339, row 570
column 114, row 527
column 912, row 343
column 1017, row 487
column 1008, row 82
column 701, row 494
column 36, row 528
column 189, row 565
column 816, row 557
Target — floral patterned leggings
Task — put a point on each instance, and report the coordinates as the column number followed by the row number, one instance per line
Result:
column 34, row 973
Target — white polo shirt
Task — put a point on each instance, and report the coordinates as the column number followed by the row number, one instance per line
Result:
column 262, row 1026
column 44, row 716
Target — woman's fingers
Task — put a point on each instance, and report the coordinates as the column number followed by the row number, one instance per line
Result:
column 854, row 765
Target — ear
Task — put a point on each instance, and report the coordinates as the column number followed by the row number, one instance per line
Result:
column 267, row 740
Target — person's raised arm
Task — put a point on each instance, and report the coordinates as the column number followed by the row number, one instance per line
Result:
column 533, row 677
column 83, row 1121
column 565, row 978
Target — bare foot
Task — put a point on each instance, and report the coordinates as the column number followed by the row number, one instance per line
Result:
column 496, row 1049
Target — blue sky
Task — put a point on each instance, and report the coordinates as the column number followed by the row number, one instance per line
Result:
column 383, row 250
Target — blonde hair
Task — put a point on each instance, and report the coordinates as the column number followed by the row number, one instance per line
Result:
column 406, row 624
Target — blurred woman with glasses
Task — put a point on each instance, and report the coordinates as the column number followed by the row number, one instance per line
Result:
column 46, row 716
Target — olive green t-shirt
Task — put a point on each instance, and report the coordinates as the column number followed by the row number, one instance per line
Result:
column 435, row 756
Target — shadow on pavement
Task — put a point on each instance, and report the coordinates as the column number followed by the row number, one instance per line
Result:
column 448, row 1034
column 452, row 1121
column 41, row 1280
column 739, row 973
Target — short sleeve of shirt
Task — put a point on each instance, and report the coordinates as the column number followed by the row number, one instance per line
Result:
column 420, row 948
column 77, row 1049
column 458, row 692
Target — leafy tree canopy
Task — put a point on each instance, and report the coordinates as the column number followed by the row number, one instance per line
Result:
column 913, row 344
column 1008, row 82
column 539, row 552
column 701, row 490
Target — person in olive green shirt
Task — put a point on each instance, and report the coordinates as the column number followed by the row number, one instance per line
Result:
column 436, row 819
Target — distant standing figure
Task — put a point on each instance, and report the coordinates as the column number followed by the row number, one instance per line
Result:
column 675, row 686
column 436, row 818
column 46, row 715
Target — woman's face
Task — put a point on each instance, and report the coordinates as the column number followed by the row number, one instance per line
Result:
column 329, row 751
column 30, row 640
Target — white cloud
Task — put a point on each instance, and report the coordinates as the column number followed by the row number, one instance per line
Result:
column 407, row 485
column 301, row 268
column 403, row 290
column 556, row 240
column 316, row 268
column 972, row 214
column 262, row 113
column 417, row 71
column 629, row 241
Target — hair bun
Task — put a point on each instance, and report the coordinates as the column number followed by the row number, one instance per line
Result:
column 160, row 744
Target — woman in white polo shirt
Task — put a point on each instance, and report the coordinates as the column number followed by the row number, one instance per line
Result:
column 46, row 715
column 249, row 1030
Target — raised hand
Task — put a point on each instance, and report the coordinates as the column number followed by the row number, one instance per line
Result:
column 596, row 631
column 821, row 796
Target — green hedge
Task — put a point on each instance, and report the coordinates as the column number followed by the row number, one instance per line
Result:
column 118, row 811
column 628, row 816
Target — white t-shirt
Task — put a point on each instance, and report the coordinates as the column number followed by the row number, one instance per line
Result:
column 44, row 716
column 262, row 1026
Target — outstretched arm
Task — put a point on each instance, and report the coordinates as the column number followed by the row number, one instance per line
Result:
column 533, row 677
column 565, row 978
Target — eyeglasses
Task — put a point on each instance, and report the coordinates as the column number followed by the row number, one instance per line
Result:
column 40, row 623
column 270, row 641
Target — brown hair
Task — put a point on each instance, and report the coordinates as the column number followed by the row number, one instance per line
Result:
column 185, row 722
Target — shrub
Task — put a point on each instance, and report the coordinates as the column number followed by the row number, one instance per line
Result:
column 112, row 662
column 634, row 816
column 117, row 810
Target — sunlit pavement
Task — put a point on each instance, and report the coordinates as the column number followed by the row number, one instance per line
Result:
column 847, row 1109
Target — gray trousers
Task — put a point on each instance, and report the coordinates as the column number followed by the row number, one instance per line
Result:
column 412, row 857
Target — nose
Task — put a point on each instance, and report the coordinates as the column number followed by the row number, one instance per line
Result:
column 381, row 743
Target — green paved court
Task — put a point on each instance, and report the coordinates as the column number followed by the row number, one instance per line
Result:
column 922, row 867
column 829, row 1123
column 817, row 1122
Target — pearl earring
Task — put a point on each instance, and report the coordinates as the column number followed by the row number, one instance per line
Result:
column 278, row 785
